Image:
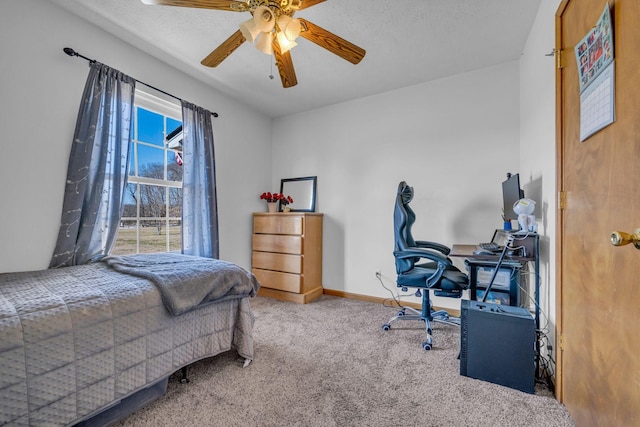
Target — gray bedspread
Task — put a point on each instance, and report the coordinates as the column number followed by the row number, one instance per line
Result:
column 76, row 340
column 188, row 281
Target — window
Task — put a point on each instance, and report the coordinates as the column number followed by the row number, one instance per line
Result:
column 152, row 215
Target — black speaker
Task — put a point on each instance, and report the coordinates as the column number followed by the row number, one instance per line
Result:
column 497, row 344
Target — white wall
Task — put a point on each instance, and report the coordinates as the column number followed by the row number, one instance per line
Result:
column 538, row 145
column 453, row 140
column 40, row 92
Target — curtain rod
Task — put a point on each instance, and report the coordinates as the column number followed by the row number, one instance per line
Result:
column 69, row 51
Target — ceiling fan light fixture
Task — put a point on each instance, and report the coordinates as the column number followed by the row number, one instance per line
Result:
column 285, row 44
column 264, row 43
column 291, row 27
column 249, row 30
column 264, row 19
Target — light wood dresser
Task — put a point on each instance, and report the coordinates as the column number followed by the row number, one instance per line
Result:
column 287, row 255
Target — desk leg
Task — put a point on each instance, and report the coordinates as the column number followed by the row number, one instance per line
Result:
column 473, row 280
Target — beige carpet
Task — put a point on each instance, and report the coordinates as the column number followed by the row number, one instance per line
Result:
column 329, row 363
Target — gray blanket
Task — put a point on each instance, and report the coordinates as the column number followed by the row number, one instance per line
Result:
column 187, row 281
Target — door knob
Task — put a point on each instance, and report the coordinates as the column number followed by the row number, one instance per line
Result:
column 620, row 238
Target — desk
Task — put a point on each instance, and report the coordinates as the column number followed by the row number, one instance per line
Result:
column 466, row 251
column 510, row 261
column 531, row 243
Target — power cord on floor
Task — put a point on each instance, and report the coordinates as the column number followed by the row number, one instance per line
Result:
column 394, row 297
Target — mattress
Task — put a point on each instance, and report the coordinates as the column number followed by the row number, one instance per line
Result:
column 76, row 340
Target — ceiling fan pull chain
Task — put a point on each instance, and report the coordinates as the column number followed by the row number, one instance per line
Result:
column 271, row 71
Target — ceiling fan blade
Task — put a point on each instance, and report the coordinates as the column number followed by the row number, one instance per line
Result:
column 308, row 3
column 285, row 66
column 224, row 50
column 229, row 5
column 331, row 42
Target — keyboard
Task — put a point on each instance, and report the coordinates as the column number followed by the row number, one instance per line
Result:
column 491, row 246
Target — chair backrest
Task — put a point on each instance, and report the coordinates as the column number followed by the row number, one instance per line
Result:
column 403, row 219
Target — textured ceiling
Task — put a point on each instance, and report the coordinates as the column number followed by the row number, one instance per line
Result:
column 407, row 42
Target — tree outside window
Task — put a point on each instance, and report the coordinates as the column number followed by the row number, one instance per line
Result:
column 152, row 215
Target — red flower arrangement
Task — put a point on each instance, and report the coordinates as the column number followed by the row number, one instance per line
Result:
column 276, row 197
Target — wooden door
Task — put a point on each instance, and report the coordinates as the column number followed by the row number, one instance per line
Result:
column 598, row 367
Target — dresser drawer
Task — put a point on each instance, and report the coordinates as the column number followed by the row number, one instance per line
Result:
column 277, row 224
column 276, row 280
column 278, row 262
column 277, row 243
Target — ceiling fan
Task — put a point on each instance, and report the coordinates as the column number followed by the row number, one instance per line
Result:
column 273, row 30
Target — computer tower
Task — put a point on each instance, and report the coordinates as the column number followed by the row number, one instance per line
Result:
column 497, row 344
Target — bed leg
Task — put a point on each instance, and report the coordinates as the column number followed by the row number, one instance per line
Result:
column 184, row 379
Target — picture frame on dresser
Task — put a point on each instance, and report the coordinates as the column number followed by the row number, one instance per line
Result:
column 302, row 191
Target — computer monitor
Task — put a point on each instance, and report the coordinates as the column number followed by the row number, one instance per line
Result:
column 511, row 192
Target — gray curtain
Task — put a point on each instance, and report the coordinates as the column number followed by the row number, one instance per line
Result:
column 97, row 170
column 199, row 200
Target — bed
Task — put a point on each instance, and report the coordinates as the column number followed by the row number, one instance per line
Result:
column 90, row 344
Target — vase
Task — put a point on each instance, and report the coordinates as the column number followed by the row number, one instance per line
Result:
column 286, row 209
column 271, row 206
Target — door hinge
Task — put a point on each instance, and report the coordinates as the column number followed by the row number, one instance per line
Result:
column 561, row 341
column 562, row 200
column 559, row 59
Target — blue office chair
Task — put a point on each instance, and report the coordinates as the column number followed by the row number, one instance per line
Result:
column 437, row 273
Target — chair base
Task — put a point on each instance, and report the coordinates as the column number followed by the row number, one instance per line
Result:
column 437, row 316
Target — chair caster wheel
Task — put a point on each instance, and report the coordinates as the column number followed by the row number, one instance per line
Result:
column 428, row 343
column 400, row 313
column 386, row 327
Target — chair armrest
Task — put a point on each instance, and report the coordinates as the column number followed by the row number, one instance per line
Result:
column 433, row 245
column 442, row 261
column 423, row 253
